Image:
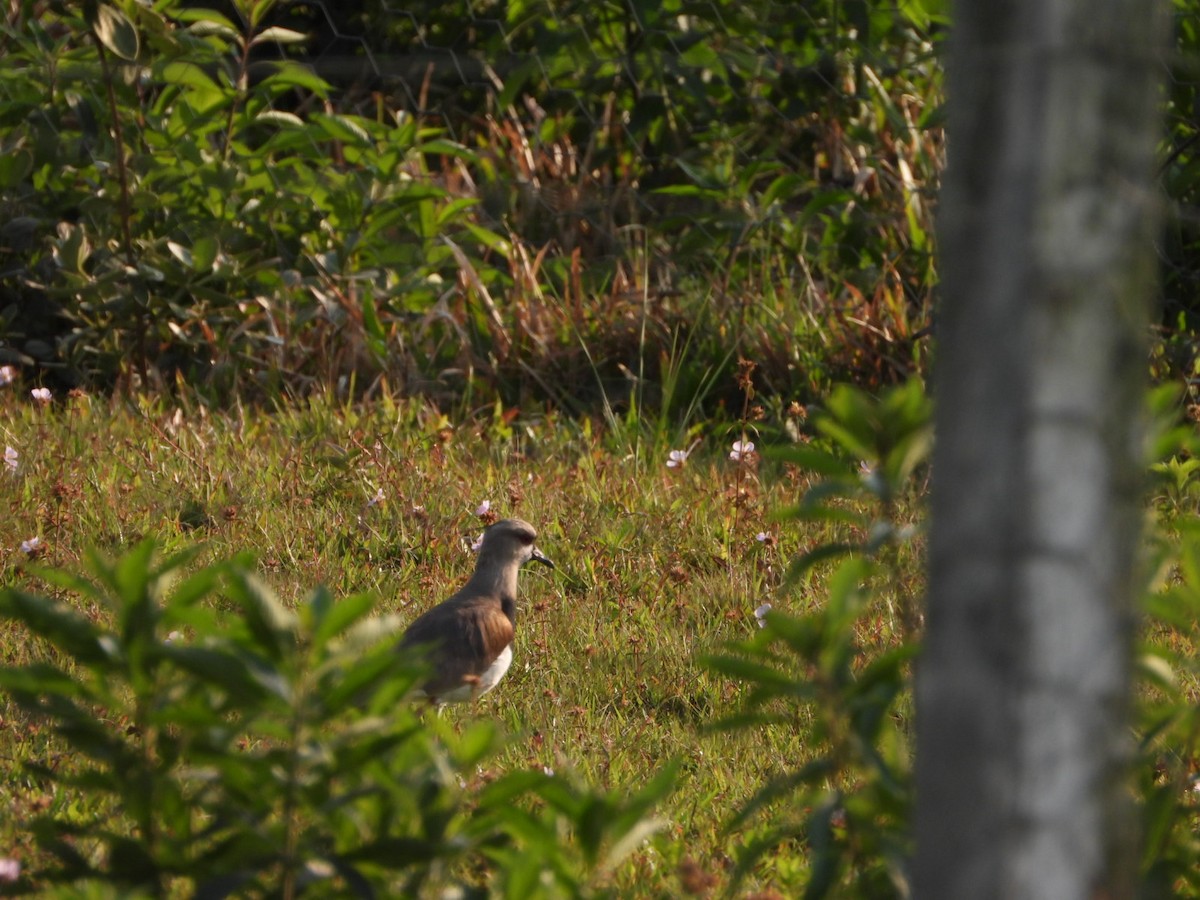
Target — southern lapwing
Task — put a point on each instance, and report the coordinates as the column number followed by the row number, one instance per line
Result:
column 468, row 638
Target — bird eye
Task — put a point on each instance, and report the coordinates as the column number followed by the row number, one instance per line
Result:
column 526, row 539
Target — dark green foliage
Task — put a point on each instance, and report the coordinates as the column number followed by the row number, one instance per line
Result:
column 262, row 751
column 847, row 665
column 547, row 194
column 1180, row 173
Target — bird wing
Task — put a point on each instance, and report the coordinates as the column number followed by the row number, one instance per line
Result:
column 463, row 638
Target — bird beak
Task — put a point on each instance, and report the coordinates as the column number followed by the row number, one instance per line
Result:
column 538, row 556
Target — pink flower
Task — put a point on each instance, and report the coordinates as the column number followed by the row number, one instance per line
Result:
column 7, row 375
column 676, row 458
column 10, row 870
column 483, row 508
column 741, row 450
column 10, row 458
column 32, row 546
column 41, row 395
column 477, row 543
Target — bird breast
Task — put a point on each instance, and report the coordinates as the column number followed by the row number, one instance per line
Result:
column 488, row 679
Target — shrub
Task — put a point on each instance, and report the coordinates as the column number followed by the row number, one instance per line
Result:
column 241, row 748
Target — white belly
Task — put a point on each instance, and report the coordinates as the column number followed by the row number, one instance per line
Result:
column 488, row 679
column 495, row 671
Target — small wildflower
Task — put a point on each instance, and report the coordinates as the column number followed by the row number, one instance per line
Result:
column 10, row 870
column 765, row 538
column 173, row 637
column 7, row 375
column 676, row 459
column 741, row 450
column 41, row 395
column 547, row 771
column 760, row 614
column 10, row 458
column 377, row 499
column 32, row 546
column 483, row 509
column 477, row 543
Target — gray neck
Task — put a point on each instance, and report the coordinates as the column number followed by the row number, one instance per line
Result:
column 499, row 581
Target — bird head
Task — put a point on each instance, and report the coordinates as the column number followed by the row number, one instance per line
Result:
column 511, row 539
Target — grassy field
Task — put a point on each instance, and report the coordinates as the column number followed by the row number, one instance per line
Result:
column 657, row 566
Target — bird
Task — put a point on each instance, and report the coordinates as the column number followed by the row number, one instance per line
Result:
column 467, row 639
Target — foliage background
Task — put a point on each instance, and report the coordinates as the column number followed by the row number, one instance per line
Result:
column 473, row 199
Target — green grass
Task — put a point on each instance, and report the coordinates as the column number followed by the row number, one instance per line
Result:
column 656, row 567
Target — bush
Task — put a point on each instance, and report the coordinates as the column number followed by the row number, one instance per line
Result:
column 190, row 201
column 241, row 748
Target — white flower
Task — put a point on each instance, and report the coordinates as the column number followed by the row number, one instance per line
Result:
column 676, row 458
column 41, row 395
column 7, row 375
column 10, row 458
column 377, row 499
column 31, row 546
column 741, row 450
column 762, row 537
column 477, row 543
column 10, row 870
column 173, row 637
column 760, row 614
column 483, row 508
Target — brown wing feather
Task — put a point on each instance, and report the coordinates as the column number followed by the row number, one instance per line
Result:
column 463, row 640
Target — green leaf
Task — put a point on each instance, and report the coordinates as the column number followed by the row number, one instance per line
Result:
column 779, row 787
column 188, row 74
column 15, row 167
column 278, row 117
column 825, row 552
column 66, row 629
column 204, row 253
column 825, row 851
column 343, row 128
column 272, row 626
column 845, row 590
column 754, row 672
column 278, row 35
column 1157, row 670
column 200, row 15
column 340, row 616
column 446, row 148
column 181, row 253
column 812, row 459
column 221, row 668
column 290, row 74
column 138, row 613
column 115, row 31
column 41, row 679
